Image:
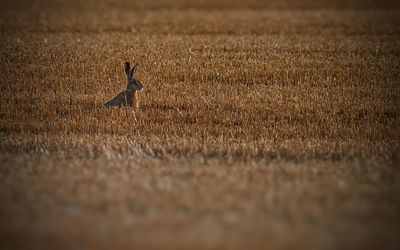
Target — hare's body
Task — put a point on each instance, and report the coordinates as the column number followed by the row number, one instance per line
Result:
column 125, row 98
column 128, row 97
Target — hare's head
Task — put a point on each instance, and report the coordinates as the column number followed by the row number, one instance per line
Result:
column 133, row 84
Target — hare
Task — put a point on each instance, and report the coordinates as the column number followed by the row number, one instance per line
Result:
column 128, row 96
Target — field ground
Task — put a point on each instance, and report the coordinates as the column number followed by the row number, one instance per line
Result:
column 262, row 125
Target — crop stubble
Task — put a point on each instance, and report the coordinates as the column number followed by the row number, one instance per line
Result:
column 269, row 121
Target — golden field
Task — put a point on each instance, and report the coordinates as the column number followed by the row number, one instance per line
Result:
column 261, row 125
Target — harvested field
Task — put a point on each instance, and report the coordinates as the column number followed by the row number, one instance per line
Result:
column 261, row 125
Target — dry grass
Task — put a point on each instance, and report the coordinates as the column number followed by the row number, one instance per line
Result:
column 261, row 124
column 125, row 203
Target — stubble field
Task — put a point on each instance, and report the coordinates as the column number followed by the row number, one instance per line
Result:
column 261, row 125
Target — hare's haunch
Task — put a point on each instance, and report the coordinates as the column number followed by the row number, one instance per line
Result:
column 128, row 97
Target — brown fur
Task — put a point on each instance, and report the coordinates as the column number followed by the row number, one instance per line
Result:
column 125, row 98
column 134, row 100
column 128, row 97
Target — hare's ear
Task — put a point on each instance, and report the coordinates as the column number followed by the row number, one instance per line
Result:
column 127, row 68
column 133, row 70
